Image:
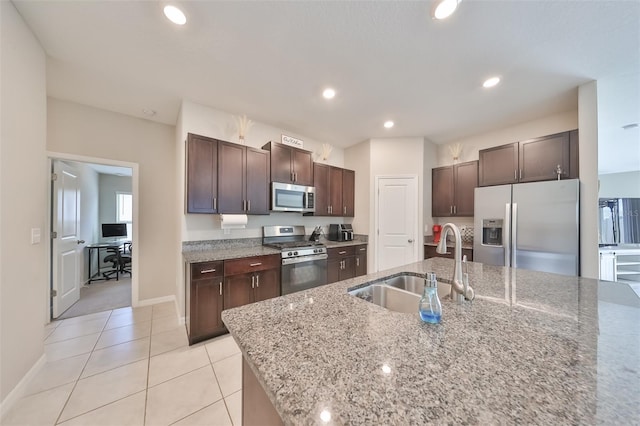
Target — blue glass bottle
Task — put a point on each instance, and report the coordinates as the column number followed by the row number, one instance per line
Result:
column 430, row 307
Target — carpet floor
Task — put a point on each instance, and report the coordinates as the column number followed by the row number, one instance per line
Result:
column 101, row 296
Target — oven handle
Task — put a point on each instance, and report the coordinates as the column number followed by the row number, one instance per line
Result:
column 304, row 259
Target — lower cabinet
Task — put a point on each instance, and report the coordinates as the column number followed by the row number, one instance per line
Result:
column 346, row 262
column 204, row 301
column 214, row 286
column 430, row 251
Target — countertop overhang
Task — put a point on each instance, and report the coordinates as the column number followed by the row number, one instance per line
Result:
column 532, row 348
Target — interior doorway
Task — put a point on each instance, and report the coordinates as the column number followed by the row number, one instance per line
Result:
column 106, row 193
column 398, row 237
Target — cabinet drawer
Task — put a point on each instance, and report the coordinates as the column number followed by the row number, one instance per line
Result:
column 339, row 252
column 251, row 264
column 202, row 270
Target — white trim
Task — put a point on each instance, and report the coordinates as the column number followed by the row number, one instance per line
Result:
column 135, row 167
column 156, row 300
column 418, row 231
column 20, row 389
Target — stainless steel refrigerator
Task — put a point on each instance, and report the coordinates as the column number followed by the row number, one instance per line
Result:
column 529, row 225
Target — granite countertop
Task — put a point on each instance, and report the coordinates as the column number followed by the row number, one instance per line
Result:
column 355, row 242
column 206, row 251
column 531, row 348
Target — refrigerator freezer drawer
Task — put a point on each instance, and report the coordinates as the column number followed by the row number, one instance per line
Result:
column 489, row 255
column 558, row 263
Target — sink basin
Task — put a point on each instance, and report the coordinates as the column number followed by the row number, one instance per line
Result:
column 415, row 285
column 398, row 294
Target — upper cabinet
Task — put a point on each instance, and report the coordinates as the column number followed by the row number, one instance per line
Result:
column 202, row 174
column 243, row 179
column 453, row 189
column 290, row 165
column 224, row 177
column 335, row 190
column 533, row 160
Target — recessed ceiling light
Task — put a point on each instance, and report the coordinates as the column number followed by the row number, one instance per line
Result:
column 329, row 93
column 175, row 15
column 491, row 82
column 442, row 9
column 388, row 124
column 149, row 112
column 630, row 126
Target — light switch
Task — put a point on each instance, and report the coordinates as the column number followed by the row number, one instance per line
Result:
column 35, row 235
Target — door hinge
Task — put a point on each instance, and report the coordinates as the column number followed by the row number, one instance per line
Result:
column 54, row 176
column 54, row 293
column 54, row 234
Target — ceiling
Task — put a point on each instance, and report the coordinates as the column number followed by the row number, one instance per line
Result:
column 386, row 59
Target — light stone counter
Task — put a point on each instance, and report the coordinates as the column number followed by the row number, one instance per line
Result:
column 533, row 348
column 205, row 251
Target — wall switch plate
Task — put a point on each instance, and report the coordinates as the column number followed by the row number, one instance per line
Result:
column 35, row 235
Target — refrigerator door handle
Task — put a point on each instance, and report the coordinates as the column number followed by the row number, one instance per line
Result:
column 514, row 234
column 506, row 235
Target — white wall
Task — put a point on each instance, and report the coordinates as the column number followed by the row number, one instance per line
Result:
column 86, row 131
column 588, row 158
column 620, row 185
column 110, row 185
column 430, row 160
column 357, row 158
column 23, row 200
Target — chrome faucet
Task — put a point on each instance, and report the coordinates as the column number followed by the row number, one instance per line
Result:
column 460, row 288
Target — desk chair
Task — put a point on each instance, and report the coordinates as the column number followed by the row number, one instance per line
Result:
column 125, row 260
column 114, row 257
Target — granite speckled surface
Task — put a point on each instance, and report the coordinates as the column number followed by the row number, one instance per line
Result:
column 358, row 240
column 532, row 348
column 205, row 251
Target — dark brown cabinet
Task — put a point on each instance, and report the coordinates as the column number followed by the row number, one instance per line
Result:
column 430, row 251
column 290, row 165
column 204, row 301
column 335, row 190
column 243, row 179
column 453, row 189
column 202, row 184
column 251, row 279
column 346, row 262
column 533, row 160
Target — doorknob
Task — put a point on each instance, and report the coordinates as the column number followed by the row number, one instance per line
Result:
column 410, row 240
column 80, row 241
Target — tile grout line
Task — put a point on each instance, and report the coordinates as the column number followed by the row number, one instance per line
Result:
column 75, row 384
column 146, row 388
column 218, row 383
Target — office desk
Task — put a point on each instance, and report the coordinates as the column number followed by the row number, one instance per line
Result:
column 102, row 246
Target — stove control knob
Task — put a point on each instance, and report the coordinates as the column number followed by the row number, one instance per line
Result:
column 289, row 254
column 295, row 253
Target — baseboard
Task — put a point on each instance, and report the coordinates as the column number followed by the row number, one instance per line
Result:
column 156, row 300
column 20, row 389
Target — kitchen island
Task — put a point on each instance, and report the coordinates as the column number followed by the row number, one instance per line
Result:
column 531, row 348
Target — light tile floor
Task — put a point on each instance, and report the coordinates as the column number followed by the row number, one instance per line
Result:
column 132, row 366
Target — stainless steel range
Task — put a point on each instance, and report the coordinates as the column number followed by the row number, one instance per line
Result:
column 304, row 262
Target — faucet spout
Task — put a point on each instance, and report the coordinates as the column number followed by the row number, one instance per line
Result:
column 459, row 290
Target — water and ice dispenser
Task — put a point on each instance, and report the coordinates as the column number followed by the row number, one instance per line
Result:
column 492, row 232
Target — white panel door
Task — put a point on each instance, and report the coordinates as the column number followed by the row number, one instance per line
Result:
column 397, row 213
column 66, row 247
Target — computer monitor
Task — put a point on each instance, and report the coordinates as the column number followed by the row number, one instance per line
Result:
column 114, row 230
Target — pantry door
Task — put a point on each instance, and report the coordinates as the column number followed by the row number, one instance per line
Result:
column 397, row 220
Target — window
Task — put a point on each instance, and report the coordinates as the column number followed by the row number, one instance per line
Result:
column 124, row 210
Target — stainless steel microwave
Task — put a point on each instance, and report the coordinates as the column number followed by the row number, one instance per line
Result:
column 286, row 197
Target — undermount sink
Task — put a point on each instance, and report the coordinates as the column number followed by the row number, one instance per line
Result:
column 398, row 294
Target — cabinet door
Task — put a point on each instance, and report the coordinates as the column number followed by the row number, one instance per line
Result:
column 333, row 270
column 206, row 309
column 281, row 163
column 302, row 167
column 442, row 191
column 238, row 290
column 202, row 184
column 348, row 192
column 498, row 165
column 231, row 177
column 267, row 284
column 465, row 180
column 361, row 260
column 335, row 191
column 540, row 157
column 258, row 175
column 321, row 183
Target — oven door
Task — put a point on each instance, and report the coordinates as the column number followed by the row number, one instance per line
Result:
column 303, row 273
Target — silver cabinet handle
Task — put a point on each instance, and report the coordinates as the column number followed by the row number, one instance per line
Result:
column 345, row 210
column 206, row 271
column 455, row 209
column 215, row 203
column 342, row 252
column 515, row 174
column 292, row 177
column 363, row 248
column 258, row 281
column 80, row 242
column 248, row 205
column 220, row 288
column 520, row 174
column 357, row 261
column 253, row 281
column 255, row 264
column 328, row 209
